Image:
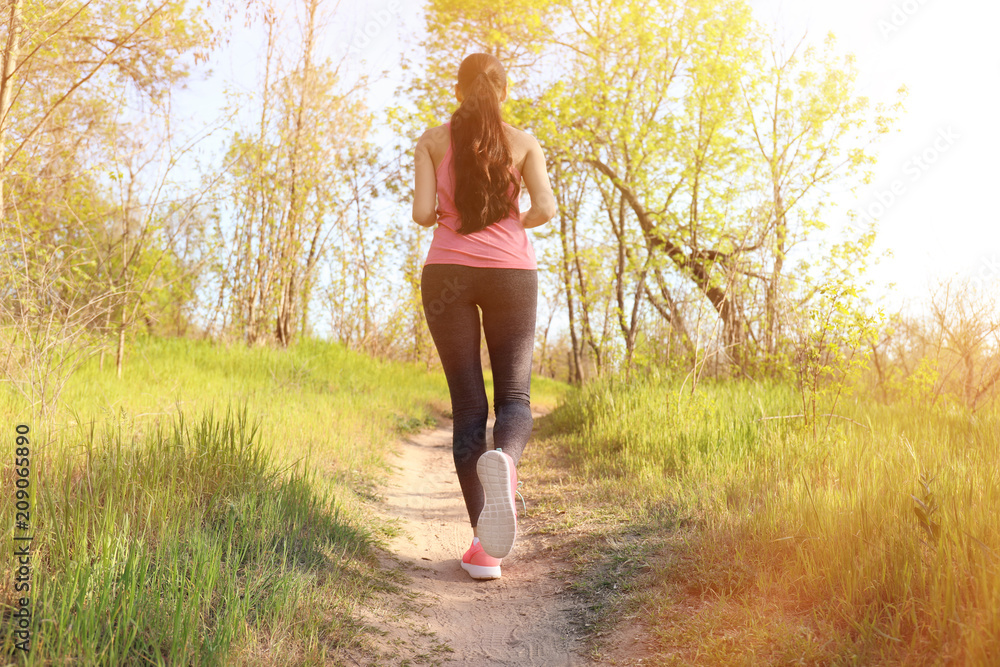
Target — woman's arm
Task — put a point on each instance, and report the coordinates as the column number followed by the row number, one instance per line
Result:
column 424, row 184
column 543, row 202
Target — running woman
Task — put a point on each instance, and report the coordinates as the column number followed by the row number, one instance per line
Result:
column 468, row 182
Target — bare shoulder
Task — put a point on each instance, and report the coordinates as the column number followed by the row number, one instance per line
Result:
column 436, row 133
column 521, row 143
column 435, row 141
column 520, row 140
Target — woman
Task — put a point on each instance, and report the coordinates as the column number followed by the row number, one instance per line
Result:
column 467, row 181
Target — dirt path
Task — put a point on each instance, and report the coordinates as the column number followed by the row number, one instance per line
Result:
column 524, row 618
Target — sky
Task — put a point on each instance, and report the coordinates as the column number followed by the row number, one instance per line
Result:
column 934, row 182
column 932, row 188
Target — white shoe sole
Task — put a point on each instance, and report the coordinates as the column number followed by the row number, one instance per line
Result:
column 481, row 571
column 497, row 525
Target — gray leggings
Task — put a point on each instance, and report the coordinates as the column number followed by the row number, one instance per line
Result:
column 453, row 295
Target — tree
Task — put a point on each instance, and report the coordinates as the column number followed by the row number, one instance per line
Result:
column 809, row 131
column 71, row 74
column 682, row 157
column 56, row 60
column 652, row 88
column 286, row 179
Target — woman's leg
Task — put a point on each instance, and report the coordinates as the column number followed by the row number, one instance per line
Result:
column 509, row 325
column 453, row 318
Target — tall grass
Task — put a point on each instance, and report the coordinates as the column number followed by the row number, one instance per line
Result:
column 877, row 542
column 210, row 508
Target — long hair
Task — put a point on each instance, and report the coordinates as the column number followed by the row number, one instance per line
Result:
column 480, row 149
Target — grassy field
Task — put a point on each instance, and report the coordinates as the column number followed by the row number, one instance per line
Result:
column 738, row 540
column 210, row 508
column 214, row 508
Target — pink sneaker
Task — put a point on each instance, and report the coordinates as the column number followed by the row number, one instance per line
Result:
column 479, row 564
column 497, row 525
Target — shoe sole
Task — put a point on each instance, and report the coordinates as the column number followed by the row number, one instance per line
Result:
column 481, row 571
column 497, row 525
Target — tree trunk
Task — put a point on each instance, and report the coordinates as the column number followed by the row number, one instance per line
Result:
column 575, row 373
column 290, row 279
column 10, row 54
column 771, row 333
column 669, row 310
column 696, row 265
column 545, row 344
column 120, row 356
column 587, row 332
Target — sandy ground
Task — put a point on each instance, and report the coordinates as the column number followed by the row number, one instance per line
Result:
column 525, row 618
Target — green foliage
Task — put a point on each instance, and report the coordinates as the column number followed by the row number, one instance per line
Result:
column 834, row 351
column 945, row 356
column 207, row 545
column 88, row 236
column 298, row 178
column 796, row 546
column 686, row 143
column 514, row 31
column 926, row 507
column 212, row 503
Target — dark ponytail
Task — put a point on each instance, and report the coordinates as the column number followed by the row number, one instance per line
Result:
column 480, row 149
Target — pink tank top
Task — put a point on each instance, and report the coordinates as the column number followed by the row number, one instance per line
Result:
column 504, row 244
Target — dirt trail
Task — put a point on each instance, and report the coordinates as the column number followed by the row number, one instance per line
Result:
column 524, row 618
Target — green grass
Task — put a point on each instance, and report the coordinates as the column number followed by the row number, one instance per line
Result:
column 747, row 541
column 213, row 506
column 187, row 545
column 208, row 509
